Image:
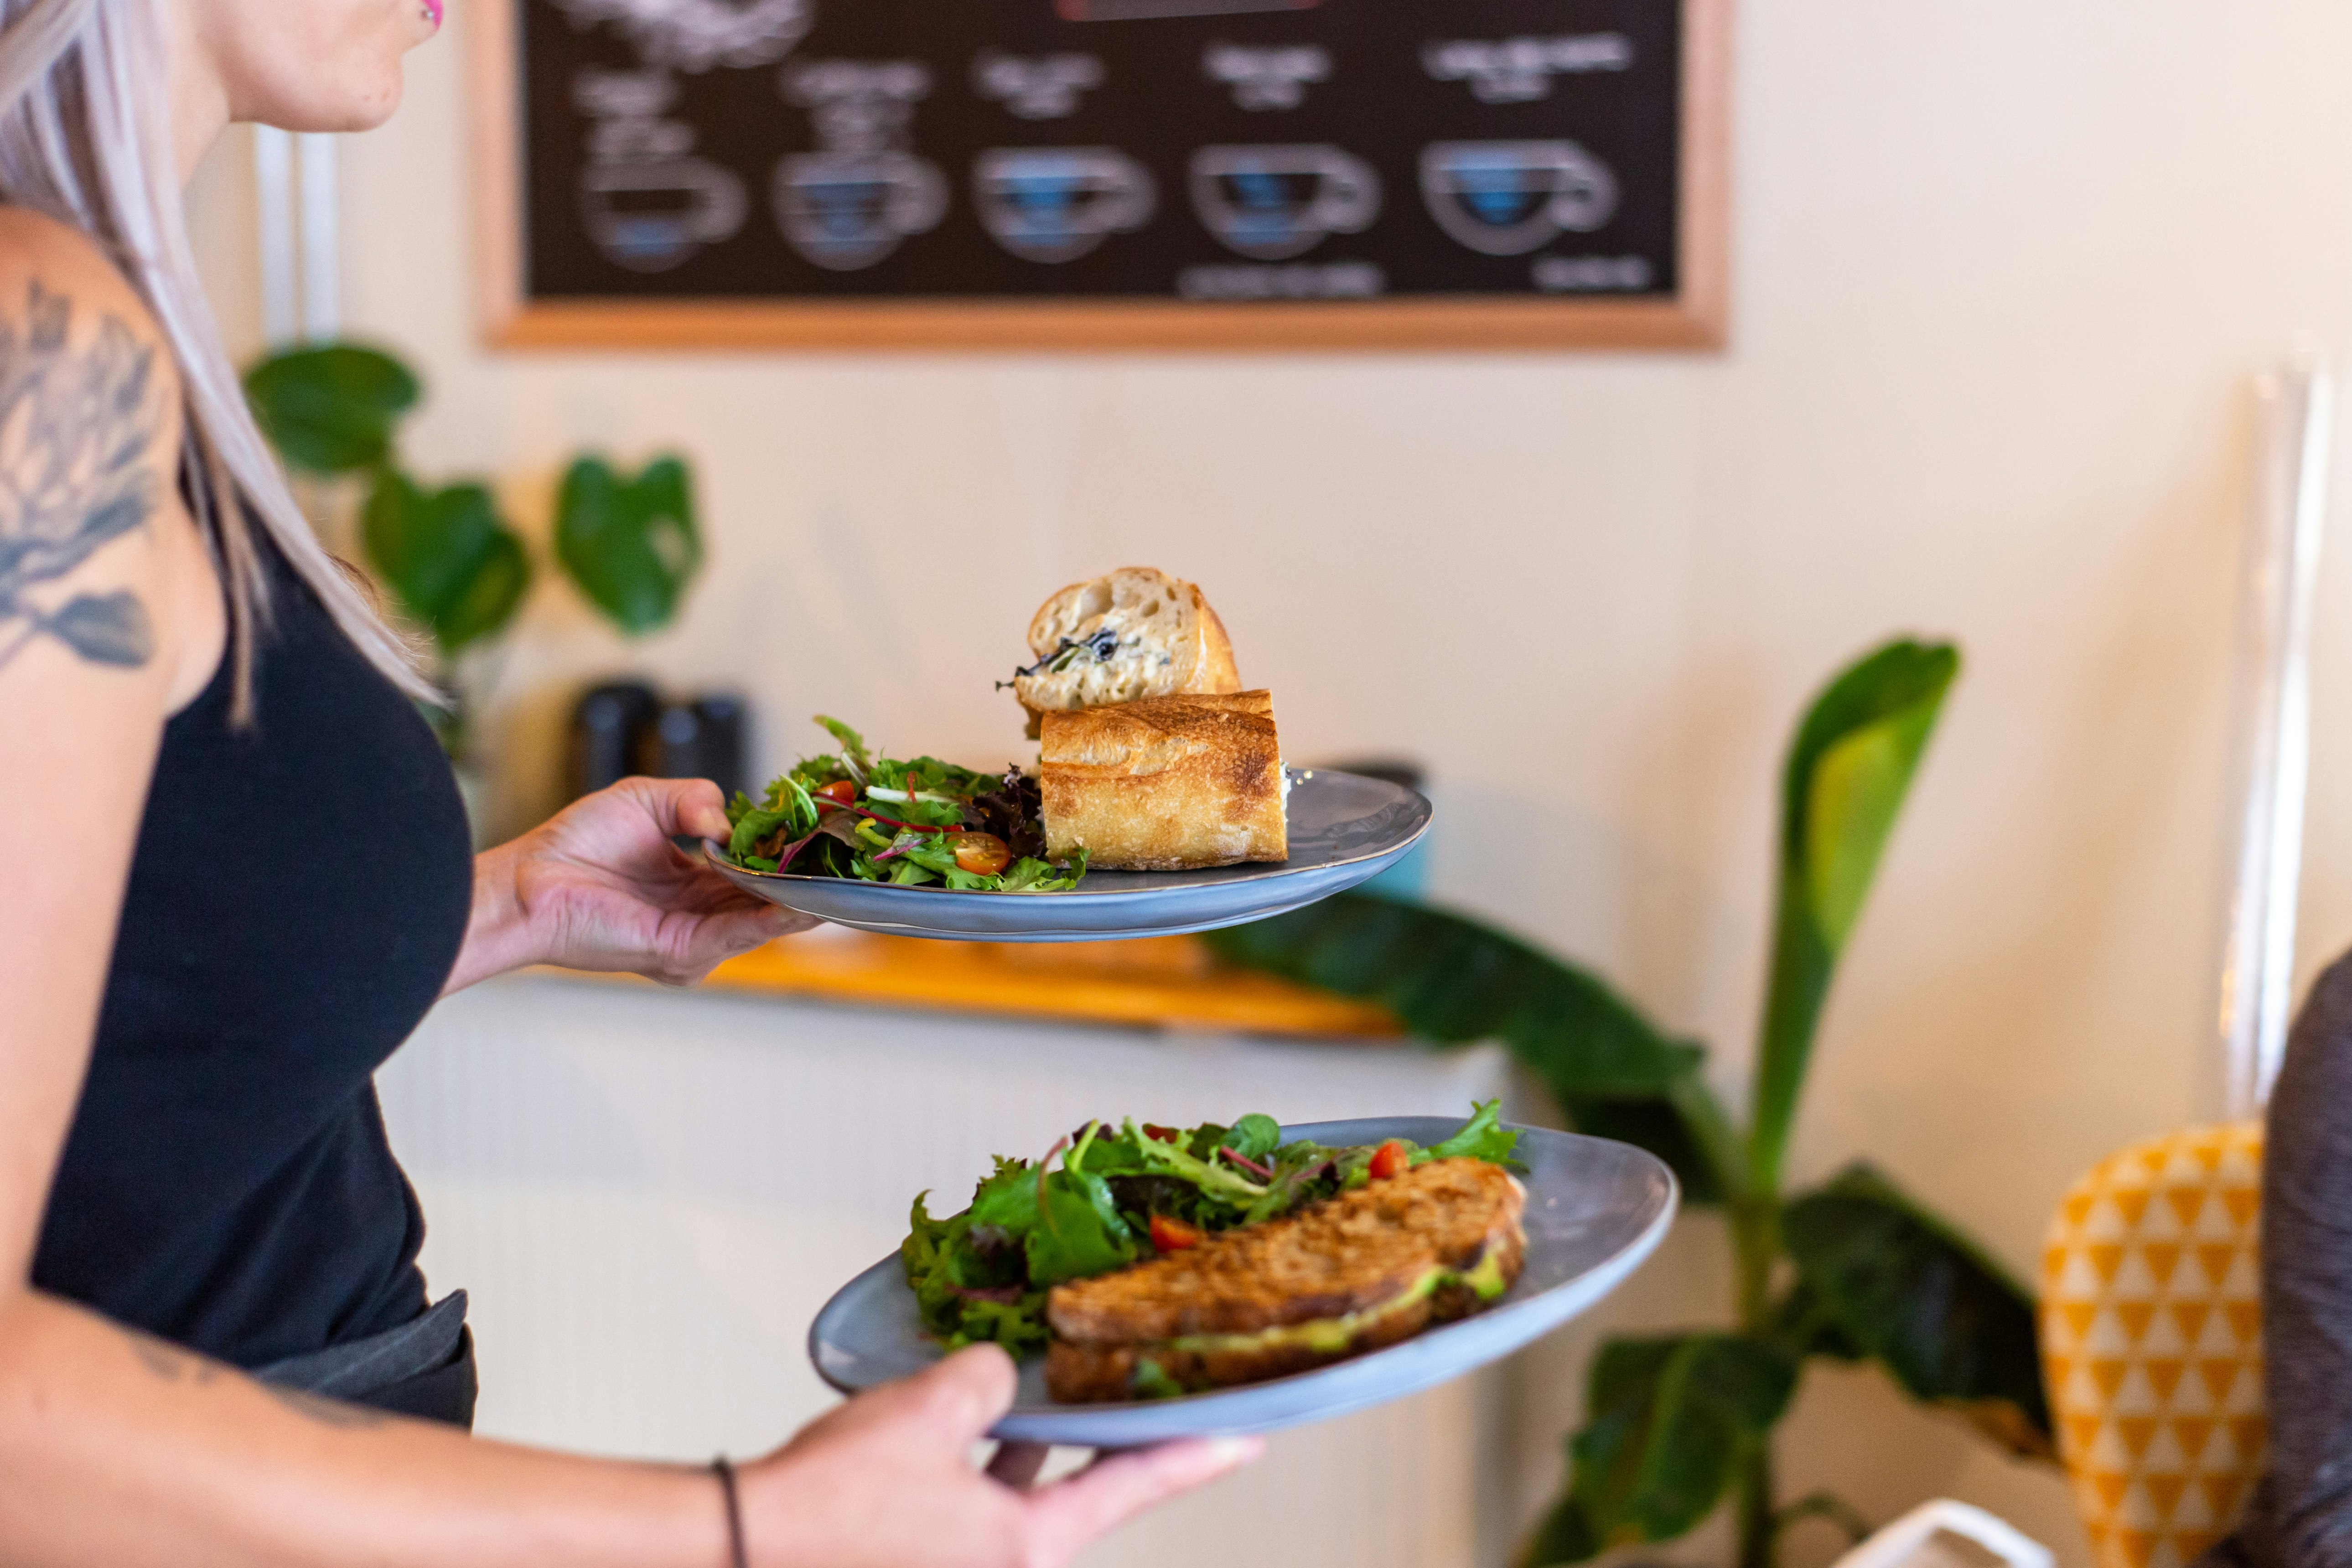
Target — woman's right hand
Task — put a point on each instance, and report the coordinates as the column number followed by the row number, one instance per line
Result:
column 887, row 1481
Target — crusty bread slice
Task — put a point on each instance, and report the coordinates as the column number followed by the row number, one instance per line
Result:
column 1165, row 783
column 1364, row 1269
column 1136, row 632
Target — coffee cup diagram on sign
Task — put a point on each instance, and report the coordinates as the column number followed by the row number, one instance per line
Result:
column 856, row 199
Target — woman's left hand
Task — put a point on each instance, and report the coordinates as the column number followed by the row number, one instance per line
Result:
column 600, row 886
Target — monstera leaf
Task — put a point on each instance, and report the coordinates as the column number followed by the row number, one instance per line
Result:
column 1847, row 775
column 330, row 409
column 630, row 545
column 1669, row 1422
column 1907, row 1290
column 448, row 557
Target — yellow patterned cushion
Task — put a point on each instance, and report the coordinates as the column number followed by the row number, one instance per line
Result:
column 2151, row 1342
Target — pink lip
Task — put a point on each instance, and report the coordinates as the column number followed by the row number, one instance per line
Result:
column 432, row 13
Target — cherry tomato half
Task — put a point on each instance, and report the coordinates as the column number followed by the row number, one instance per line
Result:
column 981, row 854
column 1389, row 1160
column 841, row 792
column 1172, row 1234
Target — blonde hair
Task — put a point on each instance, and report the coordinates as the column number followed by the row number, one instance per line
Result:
column 86, row 138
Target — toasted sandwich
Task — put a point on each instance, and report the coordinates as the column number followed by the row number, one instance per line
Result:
column 1363, row 1270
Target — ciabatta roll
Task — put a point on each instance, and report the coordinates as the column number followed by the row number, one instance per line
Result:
column 1166, row 784
column 1135, row 633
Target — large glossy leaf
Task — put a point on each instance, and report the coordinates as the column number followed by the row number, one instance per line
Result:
column 1660, row 1126
column 1907, row 1289
column 631, row 544
column 1668, row 1421
column 1451, row 979
column 330, row 409
column 1856, row 792
column 1651, row 1124
column 1848, row 771
column 450, row 560
column 1802, row 1325
column 1884, row 686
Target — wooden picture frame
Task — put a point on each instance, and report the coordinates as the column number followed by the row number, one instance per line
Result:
column 1695, row 318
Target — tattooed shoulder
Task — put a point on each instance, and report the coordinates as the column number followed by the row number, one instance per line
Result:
column 77, row 424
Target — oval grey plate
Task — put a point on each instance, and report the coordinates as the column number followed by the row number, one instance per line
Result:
column 1595, row 1210
column 1343, row 829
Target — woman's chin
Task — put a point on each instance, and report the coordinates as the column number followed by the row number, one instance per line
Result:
column 357, row 108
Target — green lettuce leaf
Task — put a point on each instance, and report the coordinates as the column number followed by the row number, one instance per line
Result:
column 1079, row 1232
column 853, row 746
column 1254, row 1137
column 1483, row 1137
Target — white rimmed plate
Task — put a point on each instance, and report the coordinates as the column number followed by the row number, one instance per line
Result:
column 1344, row 828
column 1595, row 1210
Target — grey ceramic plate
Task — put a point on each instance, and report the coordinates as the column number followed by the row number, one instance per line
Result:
column 1343, row 829
column 1595, row 1210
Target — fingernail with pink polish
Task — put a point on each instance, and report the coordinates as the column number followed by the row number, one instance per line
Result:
column 433, row 12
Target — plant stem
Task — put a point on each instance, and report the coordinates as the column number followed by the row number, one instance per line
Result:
column 1759, row 1544
column 1756, row 1245
column 1754, row 1216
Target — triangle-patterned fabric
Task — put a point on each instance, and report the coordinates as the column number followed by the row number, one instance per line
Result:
column 2151, row 1342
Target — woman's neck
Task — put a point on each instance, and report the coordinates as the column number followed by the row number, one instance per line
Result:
column 199, row 98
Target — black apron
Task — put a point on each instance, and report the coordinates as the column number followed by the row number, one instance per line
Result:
column 424, row 1368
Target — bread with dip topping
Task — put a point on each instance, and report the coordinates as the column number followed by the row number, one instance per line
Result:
column 1136, row 632
column 1165, row 783
column 1352, row 1274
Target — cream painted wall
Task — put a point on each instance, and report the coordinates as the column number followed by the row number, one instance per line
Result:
column 2002, row 273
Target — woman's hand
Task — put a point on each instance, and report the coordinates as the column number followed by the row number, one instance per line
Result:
column 885, row 1481
column 600, row 886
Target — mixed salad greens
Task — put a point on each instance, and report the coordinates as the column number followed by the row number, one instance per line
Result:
column 1123, row 1195
column 850, row 813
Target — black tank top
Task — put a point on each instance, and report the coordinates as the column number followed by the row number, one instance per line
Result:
column 296, row 899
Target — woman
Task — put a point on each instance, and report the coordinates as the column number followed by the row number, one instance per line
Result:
column 233, row 876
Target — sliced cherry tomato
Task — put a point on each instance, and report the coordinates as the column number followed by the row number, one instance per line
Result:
column 1172, row 1234
column 1389, row 1160
column 841, row 792
column 1158, row 1133
column 981, row 854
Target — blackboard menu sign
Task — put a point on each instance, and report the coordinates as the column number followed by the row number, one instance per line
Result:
column 1110, row 172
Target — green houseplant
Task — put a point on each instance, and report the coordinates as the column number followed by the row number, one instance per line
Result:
column 455, row 567
column 1676, row 1424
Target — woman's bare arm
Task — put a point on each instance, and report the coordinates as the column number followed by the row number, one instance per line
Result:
column 120, row 1449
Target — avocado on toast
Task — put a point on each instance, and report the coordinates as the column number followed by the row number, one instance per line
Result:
column 1351, row 1274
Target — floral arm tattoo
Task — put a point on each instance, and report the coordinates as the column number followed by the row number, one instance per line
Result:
column 74, row 475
